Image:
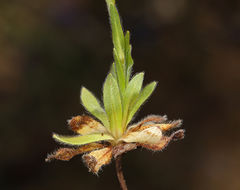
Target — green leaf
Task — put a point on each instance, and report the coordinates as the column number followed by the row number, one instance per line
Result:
column 119, row 71
column 128, row 49
column 130, row 62
column 128, row 57
column 144, row 95
column 117, row 31
column 113, row 70
column 113, row 105
column 132, row 92
column 81, row 140
column 92, row 105
column 127, row 41
column 109, row 2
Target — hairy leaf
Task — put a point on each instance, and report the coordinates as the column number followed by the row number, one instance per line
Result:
column 112, row 104
column 120, row 71
column 92, row 105
column 113, row 70
column 144, row 95
column 117, row 31
column 132, row 92
column 81, row 140
column 128, row 57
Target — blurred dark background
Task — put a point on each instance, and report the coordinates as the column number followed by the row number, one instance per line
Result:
column 50, row 48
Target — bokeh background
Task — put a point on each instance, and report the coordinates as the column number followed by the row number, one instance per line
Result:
column 50, row 48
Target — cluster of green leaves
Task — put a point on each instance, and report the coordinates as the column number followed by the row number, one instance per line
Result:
column 122, row 94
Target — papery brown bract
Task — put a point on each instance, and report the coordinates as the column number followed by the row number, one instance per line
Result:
column 85, row 125
column 150, row 133
column 97, row 158
column 65, row 154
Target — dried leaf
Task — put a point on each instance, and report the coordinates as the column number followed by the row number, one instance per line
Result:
column 152, row 119
column 150, row 135
column 86, row 125
column 178, row 135
column 171, row 125
column 65, row 154
column 96, row 159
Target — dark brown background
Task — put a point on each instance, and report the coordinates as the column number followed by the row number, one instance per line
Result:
column 49, row 49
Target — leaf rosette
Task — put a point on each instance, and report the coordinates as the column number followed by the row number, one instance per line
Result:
column 110, row 134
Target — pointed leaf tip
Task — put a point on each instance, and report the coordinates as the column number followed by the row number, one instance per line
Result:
column 92, row 105
column 132, row 92
column 110, row 2
column 144, row 95
column 117, row 30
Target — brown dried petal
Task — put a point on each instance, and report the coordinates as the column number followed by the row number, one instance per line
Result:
column 150, row 135
column 65, row 154
column 96, row 159
column 165, row 140
column 149, row 119
column 171, row 125
column 178, row 135
column 85, row 125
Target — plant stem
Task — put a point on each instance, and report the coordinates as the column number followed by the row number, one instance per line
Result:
column 120, row 173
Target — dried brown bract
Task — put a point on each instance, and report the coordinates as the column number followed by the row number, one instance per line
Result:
column 150, row 133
